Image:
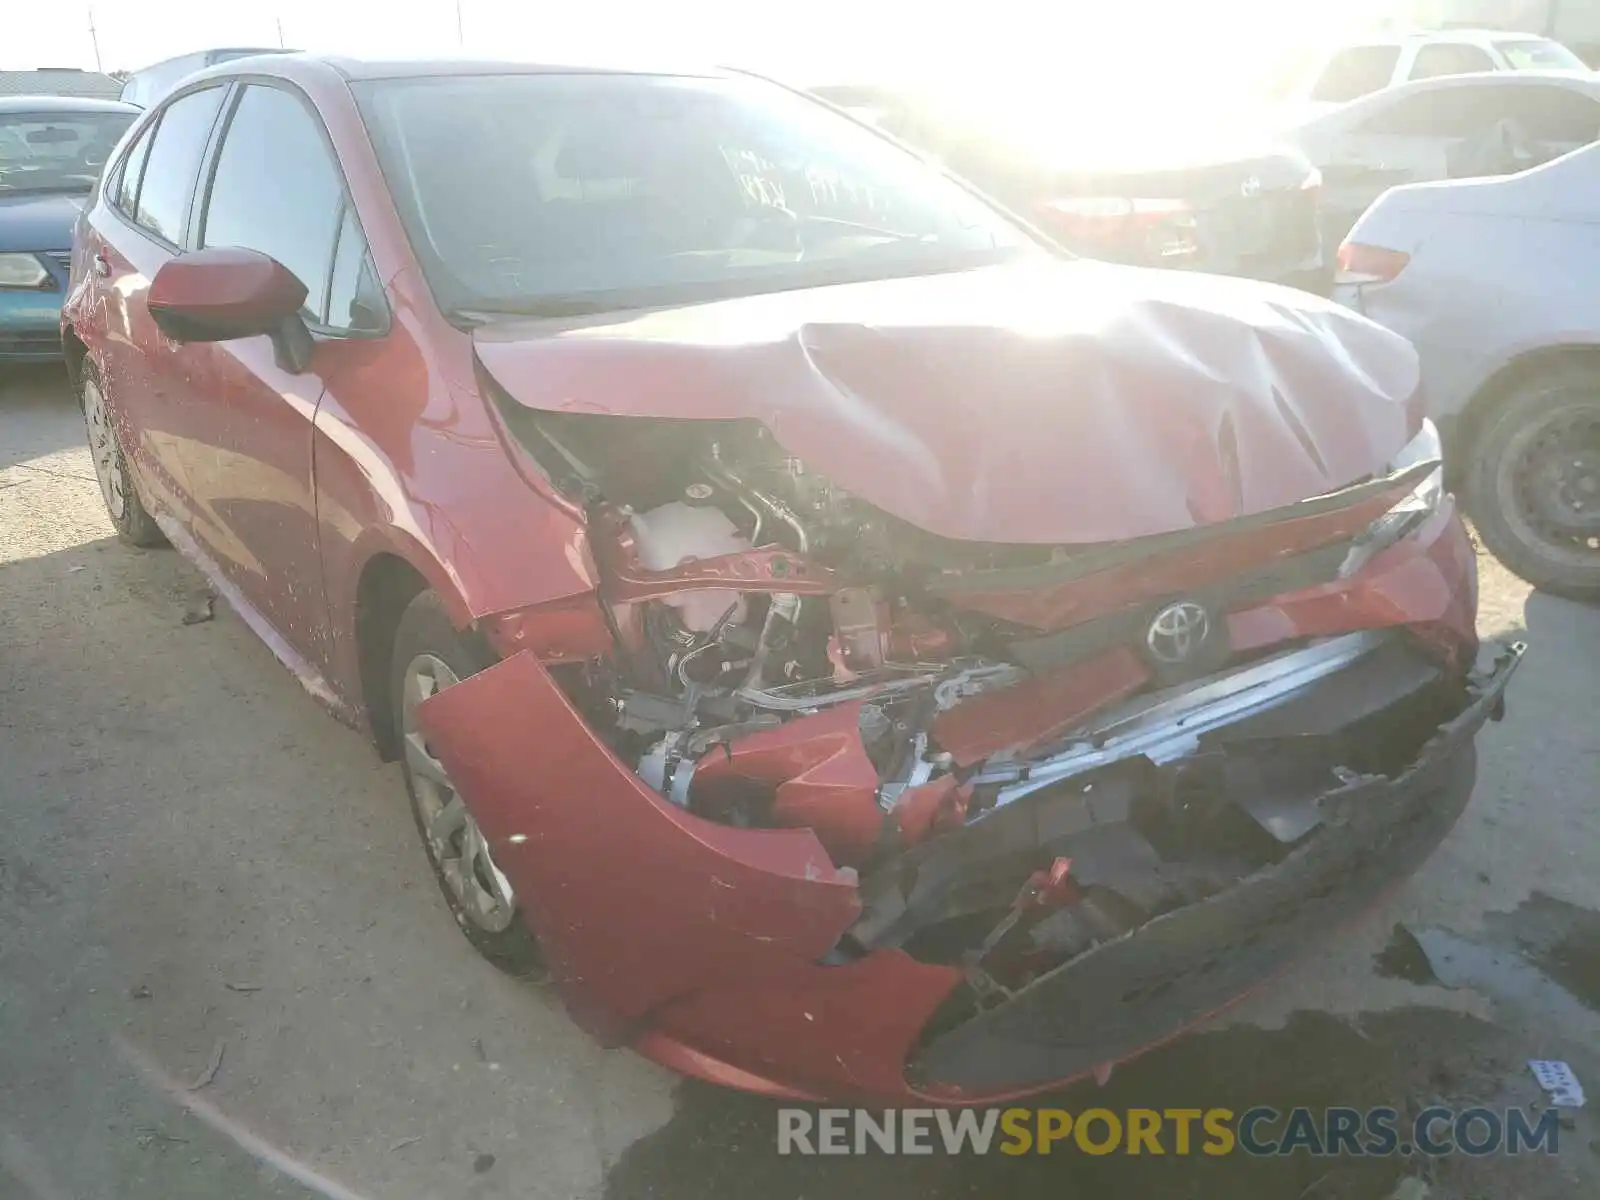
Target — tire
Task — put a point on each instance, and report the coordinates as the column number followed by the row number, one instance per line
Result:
column 1533, row 482
column 118, row 488
column 430, row 653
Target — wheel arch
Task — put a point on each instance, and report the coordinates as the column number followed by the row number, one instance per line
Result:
column 1500, row 387
column 73, row 352
column 391, row 576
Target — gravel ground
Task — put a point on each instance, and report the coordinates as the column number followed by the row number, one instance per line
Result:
column 226, row 972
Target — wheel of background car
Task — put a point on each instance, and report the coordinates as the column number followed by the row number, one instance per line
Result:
column 129, row 517
column 1534, row 483
column 430, row 654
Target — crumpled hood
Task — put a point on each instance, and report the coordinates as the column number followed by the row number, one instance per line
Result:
column 1056, row 402
column 38, row 220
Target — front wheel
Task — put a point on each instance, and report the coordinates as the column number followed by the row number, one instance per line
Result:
column 1534, row 482
column 430, row 655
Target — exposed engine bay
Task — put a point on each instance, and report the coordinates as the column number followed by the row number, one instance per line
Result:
column 771, row 628
column 805, row 688
column 790, row 656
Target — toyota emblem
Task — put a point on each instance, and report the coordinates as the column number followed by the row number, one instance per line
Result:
column 1177, row 633
column 1251, row 187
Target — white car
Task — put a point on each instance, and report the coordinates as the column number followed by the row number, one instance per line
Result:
column 1492, row 123
column 1492, row 281
column 1358, row 69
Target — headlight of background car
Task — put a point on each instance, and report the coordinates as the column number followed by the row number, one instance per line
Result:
column 22, row 271
column 1410, row 512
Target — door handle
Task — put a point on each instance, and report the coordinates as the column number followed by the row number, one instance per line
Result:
column 102, row 264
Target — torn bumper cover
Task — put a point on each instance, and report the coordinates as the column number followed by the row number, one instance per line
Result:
column 1349, row 846
column 1161, row 885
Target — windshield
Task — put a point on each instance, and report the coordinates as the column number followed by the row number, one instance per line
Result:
column 1540, row 54
column 56, row 152
column 570, row 193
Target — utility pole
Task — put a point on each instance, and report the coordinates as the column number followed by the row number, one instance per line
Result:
column 94, row 38
column 461, row 37
column 281, row 46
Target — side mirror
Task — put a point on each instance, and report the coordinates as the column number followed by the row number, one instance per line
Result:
column 222, row 293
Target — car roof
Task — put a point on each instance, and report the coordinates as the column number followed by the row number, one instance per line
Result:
column 1491, row 79
column 1476, row 37
column 420, row 68
column 202, row 55
column 414, row 68
column 63, row 104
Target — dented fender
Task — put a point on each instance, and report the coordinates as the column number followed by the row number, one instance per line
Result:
column 636, row 903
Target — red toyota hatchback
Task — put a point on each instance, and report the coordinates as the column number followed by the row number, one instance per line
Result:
column 855, row 648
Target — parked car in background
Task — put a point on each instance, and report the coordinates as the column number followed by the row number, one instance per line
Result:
column 1493, row 281
column 1153, row 195
column 869, row 651
column 1461, row 127
column 1574, row 23
column 52, row 150
column 148, row 84
column 1349, row 72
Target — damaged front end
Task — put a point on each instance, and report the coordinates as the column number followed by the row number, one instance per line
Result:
column 952, row 818
column 1195, row 850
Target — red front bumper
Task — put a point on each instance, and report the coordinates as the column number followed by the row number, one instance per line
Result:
column 704, row 946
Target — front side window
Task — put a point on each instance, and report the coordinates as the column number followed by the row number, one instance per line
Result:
column 559, row 193
column 1539, row 54
column 1355, row 72
column 173, row 164
column 355, row 300
column 276, row 189
column 57, row 152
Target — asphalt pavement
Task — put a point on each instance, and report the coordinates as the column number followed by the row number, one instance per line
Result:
column 225, row 971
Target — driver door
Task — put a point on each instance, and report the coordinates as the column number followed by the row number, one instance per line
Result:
column 273, row 185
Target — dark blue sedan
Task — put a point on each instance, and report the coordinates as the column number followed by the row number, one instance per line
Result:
column 52, row 150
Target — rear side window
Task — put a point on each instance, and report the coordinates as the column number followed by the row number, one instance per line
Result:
column 1543, row 112
column 1446, row 112
column 1539, row 54
column 173, row 164
column 1554, row 114
column 124, row 190
column 273, row 148
column 1355, row 72
column 1450, row 58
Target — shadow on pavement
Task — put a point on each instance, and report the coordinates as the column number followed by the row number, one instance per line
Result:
column 76, row 1117
column 33, row 399
column 724, row 1145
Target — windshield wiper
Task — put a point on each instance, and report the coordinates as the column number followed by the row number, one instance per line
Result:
column 533, row 306
column 840, row 223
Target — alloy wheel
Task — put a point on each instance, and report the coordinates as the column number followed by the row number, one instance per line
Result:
column 456, row 843
column 103, row 447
